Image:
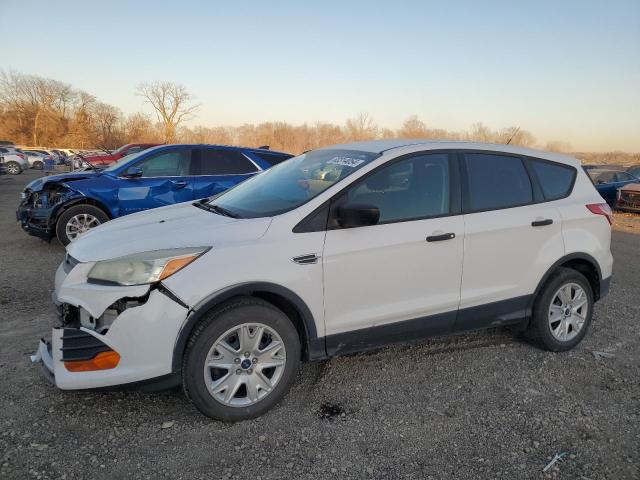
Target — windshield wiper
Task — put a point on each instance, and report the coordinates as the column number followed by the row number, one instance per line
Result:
column 215, row 209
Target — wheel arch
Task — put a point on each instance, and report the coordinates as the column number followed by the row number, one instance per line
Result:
column 74, row 202
column 281, row 297
column 580, row 262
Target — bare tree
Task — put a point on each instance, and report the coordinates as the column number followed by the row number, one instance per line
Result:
column 361, row 127
column 413, row 127
column 172, row 103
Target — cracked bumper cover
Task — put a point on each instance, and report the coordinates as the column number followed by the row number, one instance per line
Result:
column 36, row 221
column 143, row 336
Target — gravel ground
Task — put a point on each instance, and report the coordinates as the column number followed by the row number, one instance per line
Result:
column 483, row 405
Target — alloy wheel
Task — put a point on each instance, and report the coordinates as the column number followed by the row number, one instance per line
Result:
column 79, row 224
column 568, row 312
column 13, row 168
column 244, row 364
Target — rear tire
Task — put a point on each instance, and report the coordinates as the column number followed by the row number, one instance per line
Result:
column 13, row 168
column 38, row 165
column 214, row 375
column 562, row 312
column 77, row 220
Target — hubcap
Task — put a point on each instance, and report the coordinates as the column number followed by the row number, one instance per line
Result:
column 244, row 364
column 568, row 312
column 80, row 224
column 13, row 169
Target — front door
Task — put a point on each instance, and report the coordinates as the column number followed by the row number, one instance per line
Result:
column 400, row 279
column 165, row 180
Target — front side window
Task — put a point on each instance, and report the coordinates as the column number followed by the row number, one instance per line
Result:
column 293, row 183
column 496, row 182
column 410, row 189
column 172, row 163
column 224, row 162
column 555, row 179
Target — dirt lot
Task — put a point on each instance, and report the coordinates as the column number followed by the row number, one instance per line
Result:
column 477, row 406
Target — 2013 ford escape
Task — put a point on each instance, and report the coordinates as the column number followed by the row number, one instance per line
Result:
column 338, row 250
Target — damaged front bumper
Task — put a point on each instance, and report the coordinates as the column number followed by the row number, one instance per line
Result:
column 138, row 325
column 36, row 221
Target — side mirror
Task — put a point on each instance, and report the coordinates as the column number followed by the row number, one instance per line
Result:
column 133, row 172
column 358, row 215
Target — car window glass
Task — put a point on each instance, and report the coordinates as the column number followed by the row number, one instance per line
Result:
column 174, row 163
column 417, row 187
column 224, row 162
column 497, row 181
column 604, row 177
column 133, row 150
column 3, row 150
column 623, row 177
column 555, row 179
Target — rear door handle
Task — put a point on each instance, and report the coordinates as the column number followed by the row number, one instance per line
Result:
column 440, row 238
column 541, row 223
column 179, row 183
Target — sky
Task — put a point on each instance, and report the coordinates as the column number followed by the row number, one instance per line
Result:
column 564, row 70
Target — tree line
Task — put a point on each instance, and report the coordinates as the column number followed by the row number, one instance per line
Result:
column 41, row 111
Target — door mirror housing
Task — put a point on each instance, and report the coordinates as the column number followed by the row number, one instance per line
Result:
column 133, row 172
column 353, row 215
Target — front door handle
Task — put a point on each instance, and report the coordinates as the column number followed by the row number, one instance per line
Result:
column 179, row 183
column 541, row 223
column 440, row 238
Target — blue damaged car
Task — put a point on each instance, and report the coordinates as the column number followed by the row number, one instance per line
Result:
column 69, row 204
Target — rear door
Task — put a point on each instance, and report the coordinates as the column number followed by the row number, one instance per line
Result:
column 218, row 169
column 512, row 236
column 165, row 180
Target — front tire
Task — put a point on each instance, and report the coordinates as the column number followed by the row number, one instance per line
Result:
column 77, row 220
column 241, row 360
column 562, row 311
column 13, row 168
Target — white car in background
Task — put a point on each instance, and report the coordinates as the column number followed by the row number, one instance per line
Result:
column 36, row 159
column 338, row 250
column 15, row 161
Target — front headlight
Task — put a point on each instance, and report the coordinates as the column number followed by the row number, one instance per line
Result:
column 145, row 267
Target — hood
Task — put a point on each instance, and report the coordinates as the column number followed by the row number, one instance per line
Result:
column 175, row 226
column 38, row 184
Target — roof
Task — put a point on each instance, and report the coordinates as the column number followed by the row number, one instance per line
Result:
column 381, row 146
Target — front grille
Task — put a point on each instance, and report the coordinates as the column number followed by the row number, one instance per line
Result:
column 79, row 345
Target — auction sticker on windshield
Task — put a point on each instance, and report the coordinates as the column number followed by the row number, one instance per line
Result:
column 345, row 161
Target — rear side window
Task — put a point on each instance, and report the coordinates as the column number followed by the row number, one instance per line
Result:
column 497, row 181
column 223, row 162
column 273, row 159
column 555, row 179
column 624, row 177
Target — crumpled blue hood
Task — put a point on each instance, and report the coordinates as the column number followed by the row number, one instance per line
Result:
column 38, row 184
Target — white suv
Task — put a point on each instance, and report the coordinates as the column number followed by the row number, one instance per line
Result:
column 338, row 250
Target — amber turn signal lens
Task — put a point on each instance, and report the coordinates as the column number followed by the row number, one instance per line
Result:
column 176, row 264
column 102, row 361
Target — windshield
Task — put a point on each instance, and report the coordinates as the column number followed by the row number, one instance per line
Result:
column 291, row 183
column 126, row 159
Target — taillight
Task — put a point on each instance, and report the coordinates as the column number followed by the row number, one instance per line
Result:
column 22, row 156
column 601, row 209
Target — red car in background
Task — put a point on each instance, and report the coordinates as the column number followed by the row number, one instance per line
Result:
column 109, row 158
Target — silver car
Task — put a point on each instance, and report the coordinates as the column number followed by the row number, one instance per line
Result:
column 14, row 160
